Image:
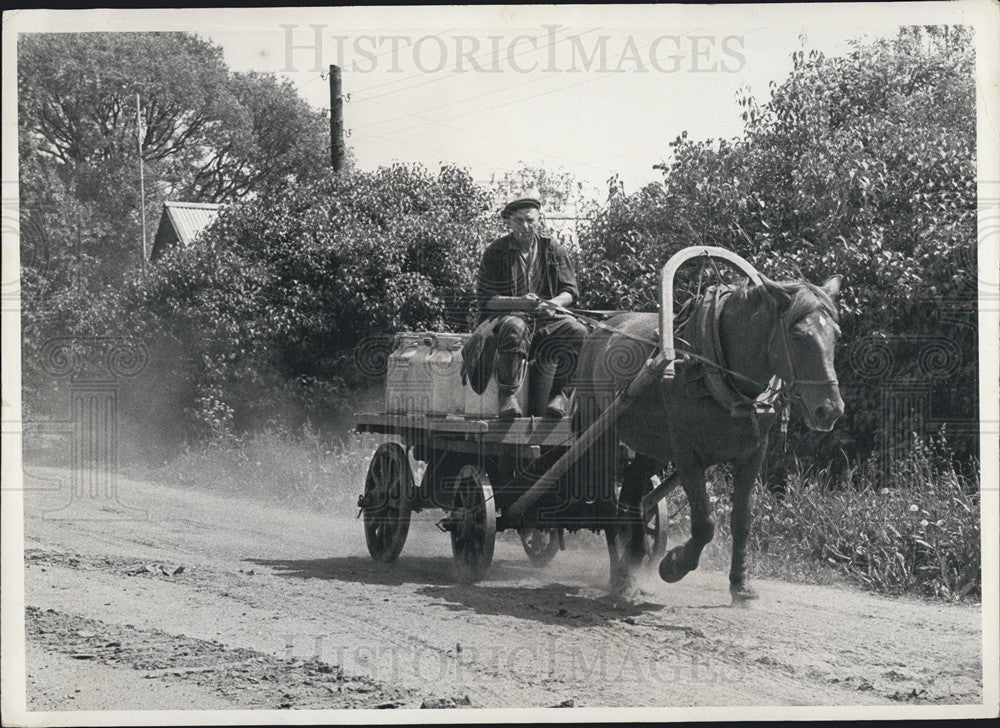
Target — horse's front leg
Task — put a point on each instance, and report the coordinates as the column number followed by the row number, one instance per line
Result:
column 744, row 477
column 629, row 533
column 682, row 559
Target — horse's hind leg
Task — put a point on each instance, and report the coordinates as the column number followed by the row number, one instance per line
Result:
column 744, row 477
column 682, row 559
column 631, row 531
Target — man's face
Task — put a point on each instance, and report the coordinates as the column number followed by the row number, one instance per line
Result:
column 523, row 224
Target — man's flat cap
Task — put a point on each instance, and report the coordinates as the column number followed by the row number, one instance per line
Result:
column 520, row 204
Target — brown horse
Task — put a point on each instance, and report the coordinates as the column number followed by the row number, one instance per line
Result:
column 787, row 329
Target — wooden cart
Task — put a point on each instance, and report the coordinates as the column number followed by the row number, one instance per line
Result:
column 489, row 475
column 477, row 469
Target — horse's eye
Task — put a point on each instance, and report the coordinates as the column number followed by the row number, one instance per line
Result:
column 799, row 334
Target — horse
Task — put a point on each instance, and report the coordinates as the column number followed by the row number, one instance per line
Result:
column 786, row 329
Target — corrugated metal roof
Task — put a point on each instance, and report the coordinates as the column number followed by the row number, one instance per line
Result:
column 190, row 218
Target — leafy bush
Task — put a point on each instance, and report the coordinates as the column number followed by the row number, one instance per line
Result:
column 862, row 165
column 288, row 303
column 915, row 531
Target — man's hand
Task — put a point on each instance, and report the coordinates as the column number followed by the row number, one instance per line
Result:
column 531, row 301
column 562, row 300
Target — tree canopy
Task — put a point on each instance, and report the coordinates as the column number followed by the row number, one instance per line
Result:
column 206, row 135
column 862, row 165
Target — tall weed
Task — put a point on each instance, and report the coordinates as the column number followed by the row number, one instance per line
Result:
column 914, row 529
column 304, row 468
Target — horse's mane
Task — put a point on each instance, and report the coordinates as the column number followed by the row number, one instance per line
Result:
column 806, row 298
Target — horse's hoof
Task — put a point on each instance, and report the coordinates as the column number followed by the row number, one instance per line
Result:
column 626, row 598
column 669, row 571
column 742, row 594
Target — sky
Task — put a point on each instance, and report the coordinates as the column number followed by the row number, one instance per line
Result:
column 594, row 91
column 589, row 93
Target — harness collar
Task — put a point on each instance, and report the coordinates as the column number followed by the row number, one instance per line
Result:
column 706, row 320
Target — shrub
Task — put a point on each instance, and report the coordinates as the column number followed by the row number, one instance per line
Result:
column 862, row 165
column 294, row 468
column 289, row 303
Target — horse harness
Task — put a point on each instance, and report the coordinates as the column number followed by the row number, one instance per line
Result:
column 702, row 316
column 718, row 377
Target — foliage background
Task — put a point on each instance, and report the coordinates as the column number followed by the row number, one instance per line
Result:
column 264, row 334
column 862, row 165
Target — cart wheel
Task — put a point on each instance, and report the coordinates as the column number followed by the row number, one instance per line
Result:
column 388, row 487
column 475, row 523
column 541, row 544
column 654, row 534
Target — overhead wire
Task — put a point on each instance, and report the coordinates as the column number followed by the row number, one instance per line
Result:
column 323, row 74
column 447, row 155
column 495, row 139
column 468, row 99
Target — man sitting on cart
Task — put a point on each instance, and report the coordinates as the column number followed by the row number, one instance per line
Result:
column 519, row 275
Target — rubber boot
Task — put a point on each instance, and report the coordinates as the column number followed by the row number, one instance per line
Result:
column 540, row 389
column 558, row 406
column 509, row 406
column 511, row 368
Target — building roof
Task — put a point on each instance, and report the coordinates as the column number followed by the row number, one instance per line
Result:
column 190, row 218
column 181, row 222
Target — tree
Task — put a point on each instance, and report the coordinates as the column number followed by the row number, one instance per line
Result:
column 206, row 134
column 862, row 165
column 282, row 139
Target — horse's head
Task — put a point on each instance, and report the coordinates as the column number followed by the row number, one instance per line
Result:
column 801, row 347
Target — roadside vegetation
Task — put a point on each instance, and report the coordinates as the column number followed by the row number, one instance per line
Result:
column 913, row 529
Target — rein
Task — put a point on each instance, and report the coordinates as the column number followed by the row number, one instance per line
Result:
column 684, row 355
column 787, row 382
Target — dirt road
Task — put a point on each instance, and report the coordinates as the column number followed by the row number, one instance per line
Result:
column 208, row 602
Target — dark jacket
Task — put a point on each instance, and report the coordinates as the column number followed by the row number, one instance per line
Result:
column 496, row 278
column 497, row 273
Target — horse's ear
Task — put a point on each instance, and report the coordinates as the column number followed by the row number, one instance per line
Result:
column 774, row 291
column 831, row 286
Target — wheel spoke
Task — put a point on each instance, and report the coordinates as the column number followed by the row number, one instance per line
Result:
column 387, row 513
column 473, row 518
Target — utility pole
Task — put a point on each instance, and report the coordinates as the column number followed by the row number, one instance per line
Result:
column 142, row 179
column 336, row 120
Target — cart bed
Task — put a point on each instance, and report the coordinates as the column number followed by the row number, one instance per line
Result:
column 522, row 433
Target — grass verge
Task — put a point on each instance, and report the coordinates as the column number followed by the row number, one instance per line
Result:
column 913, row 528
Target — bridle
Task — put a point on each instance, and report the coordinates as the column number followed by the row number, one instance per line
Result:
column 791, row 381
